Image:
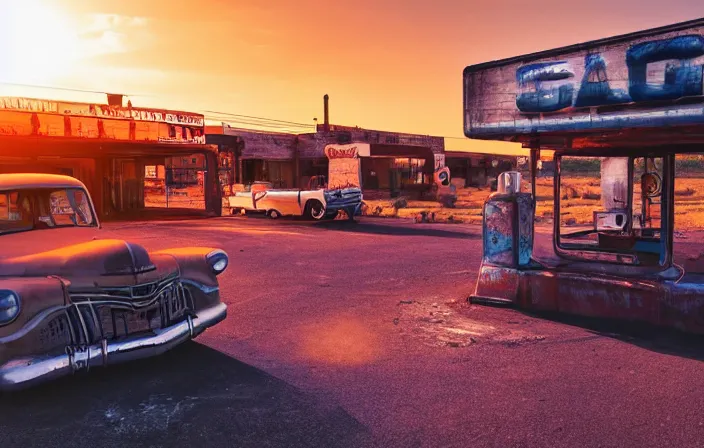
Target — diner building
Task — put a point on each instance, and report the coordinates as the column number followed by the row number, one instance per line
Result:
column 397, row 163
column 130, row 158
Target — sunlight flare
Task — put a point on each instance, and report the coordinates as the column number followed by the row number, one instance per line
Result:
column 44, row 42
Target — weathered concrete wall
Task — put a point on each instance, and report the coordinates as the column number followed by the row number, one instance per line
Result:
column 280, row 146
column 313, row 145
column 266, row 145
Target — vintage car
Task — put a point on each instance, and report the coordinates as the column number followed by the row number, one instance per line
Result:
column 317, row 202
column 71, row 301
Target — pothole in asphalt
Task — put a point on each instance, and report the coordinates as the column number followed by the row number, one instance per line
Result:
column 453, row 324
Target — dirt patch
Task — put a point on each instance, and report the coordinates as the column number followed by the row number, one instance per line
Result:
column 457, row 324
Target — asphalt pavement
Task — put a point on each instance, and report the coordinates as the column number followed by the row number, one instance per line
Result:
column 351, row 335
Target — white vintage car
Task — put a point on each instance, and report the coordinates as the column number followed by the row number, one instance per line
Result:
column 315, row 204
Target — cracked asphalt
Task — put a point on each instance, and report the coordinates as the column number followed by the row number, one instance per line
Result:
column 354, row 335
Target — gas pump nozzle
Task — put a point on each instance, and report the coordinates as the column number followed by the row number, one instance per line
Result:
column 509, row 182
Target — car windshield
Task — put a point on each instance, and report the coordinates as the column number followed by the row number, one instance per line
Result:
column 35, row 209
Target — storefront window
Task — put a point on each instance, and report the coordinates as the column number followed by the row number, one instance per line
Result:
column 9, row 208
column 411, row 170
column 226, row 172
column 600, row 219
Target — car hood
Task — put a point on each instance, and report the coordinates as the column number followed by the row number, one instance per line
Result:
column 57, row 252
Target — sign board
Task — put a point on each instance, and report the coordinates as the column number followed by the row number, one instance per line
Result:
column 349, row 151
column 26, row 116
column 439, row 161
column 646, row 79
column 28, row 104
column 101, row 110
column 344, row 167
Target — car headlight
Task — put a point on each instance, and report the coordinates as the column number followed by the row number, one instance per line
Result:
column 9, row 306
column 217, row 260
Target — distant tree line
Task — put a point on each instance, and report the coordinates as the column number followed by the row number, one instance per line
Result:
column 684, row 164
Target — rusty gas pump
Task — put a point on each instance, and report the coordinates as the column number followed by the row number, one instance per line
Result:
column 507, row 240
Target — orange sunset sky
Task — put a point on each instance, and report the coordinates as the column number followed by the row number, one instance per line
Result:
column 386, row 64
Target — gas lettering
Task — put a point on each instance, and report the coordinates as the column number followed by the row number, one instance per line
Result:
column 549, row 86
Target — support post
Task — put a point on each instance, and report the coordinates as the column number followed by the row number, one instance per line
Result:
column 297, row 165
column 213, row 193
column 534, row 157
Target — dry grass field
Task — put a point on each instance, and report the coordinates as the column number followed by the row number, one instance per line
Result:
column 580, row 197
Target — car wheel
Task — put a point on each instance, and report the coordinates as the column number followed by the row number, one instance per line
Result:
column 236, row 211
column 273, row 214
column 315, row 210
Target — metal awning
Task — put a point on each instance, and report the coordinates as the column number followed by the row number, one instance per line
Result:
column 608, row 93
column 405, row 151
column 94, row 148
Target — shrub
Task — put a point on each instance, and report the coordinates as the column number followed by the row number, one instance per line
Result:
column 400, row 203
column 686, row 192
column 588, row 194
column 581, row 165
column 569, row 192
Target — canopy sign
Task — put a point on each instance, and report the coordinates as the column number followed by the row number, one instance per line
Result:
column 101, row 110
column 344, row 168
column 647, row 79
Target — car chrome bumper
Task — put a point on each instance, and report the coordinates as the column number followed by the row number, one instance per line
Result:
column 21, row 373
column 333, row 209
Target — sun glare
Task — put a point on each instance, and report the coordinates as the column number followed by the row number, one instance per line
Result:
column 38, row 42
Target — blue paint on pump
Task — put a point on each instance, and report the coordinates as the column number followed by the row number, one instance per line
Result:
column 652, row 247
column 500, row 230
column 497, row 243
column 498, row 246
column 525, row 228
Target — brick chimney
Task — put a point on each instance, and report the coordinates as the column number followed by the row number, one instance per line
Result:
column 326, row 110
column 115, row 100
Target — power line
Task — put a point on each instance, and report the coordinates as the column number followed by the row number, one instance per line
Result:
column 67, row 89
column 258, row 123
column 259, row 118
column 250, row 123
column 277, row 131
column 250, row 119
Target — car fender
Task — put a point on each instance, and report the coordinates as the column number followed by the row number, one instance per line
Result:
column 42, row 299
column 312, row 194
column 36, row 295
column 195, row 272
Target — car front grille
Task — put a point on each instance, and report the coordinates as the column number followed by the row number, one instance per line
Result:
column 113, row 313
column 340, row 199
